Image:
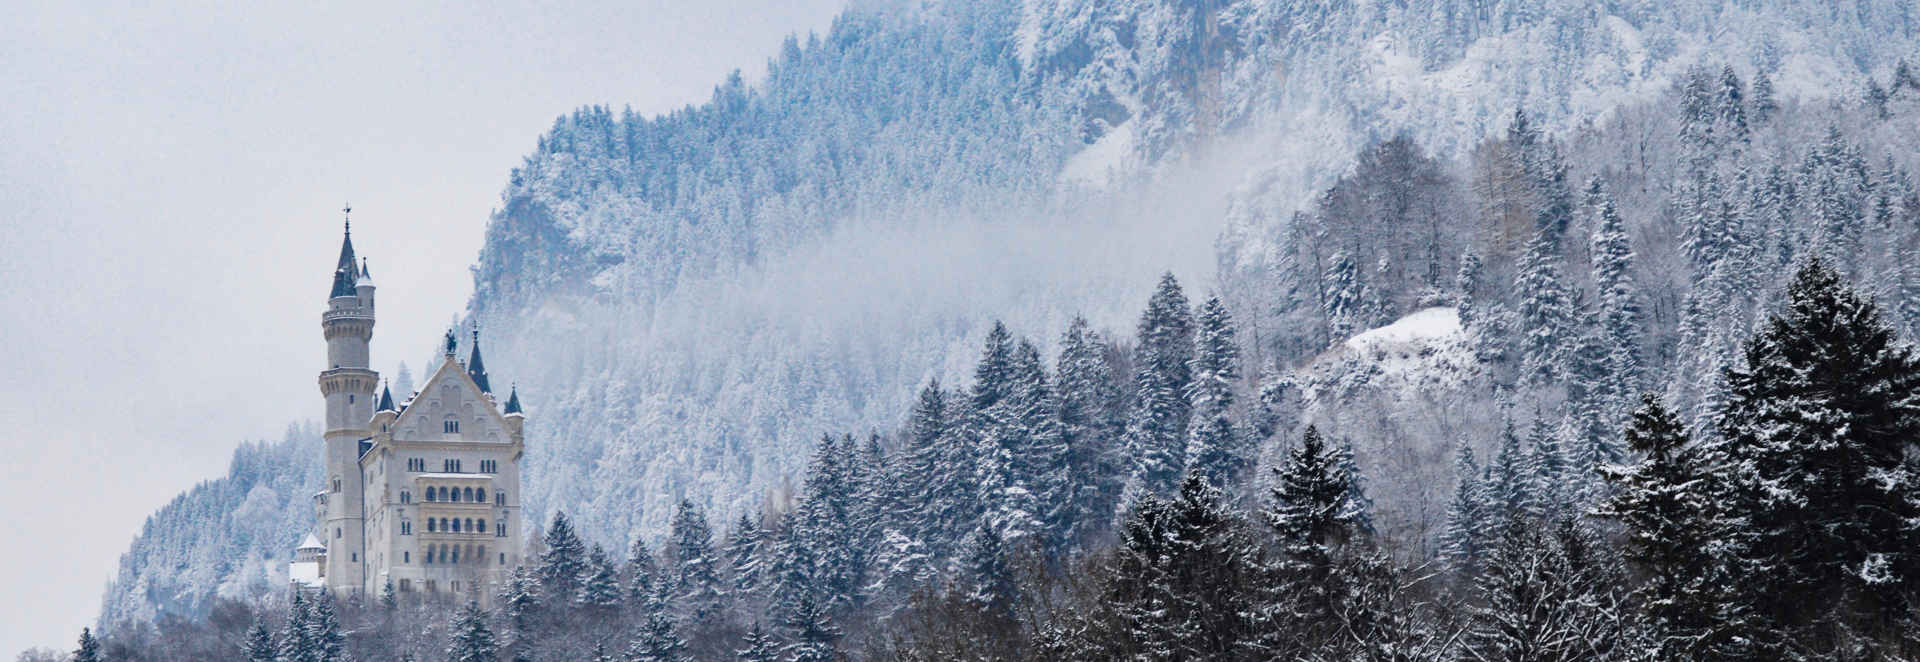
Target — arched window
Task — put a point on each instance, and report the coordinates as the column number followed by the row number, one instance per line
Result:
column 468, row 494
column 430, row 528
column 456, row 525
column 469, row 524
column 428, row 559
column 480, row 495
column 431, row 497
column 483, row 526
column 443, row 494
column 456, row 556
column 500, row 498
column 406, row 497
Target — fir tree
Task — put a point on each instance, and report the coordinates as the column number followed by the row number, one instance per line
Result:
column 1816, row 435
column 643, row 574
column 323, row 630
column 658, row 641
column 1345, row 298
column 1732, row 111
column 89, row 650
column 1313, row 508
column 759, row 646
column 259, row 644
column 472, row 640
column 1156, row 428
column 519, row 602
column 562, row 562
column 1087, row 434
column 743, row 556
column 1620, row 312
column 1664, row 503
column 389, row 598
column 1764, row 104
column 1466, row 513
column 296, row 637
column 1546, row 314
column 993, row 376
column 812, row 634
column 1214, row 447
column 990, row 587
column 697, row 579
column 1507, row 482
column 599, row 582
column 1546, row 484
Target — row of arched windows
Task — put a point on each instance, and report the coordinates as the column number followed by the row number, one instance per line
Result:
column 457, row 494
column 451, row 554
column 454, row 525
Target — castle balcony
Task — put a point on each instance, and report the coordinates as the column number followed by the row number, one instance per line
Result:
column 347, row 313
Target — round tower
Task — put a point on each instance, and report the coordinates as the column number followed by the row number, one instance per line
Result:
column 348, row 384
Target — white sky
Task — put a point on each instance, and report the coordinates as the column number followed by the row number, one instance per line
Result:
column 171, row 174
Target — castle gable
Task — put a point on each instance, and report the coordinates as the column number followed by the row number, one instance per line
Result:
column 451, row 395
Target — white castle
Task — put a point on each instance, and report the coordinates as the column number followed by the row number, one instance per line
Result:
column 423, row 494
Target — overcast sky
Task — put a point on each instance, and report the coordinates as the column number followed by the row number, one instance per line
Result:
column 172, row 174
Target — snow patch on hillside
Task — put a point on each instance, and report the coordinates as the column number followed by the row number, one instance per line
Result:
column 1419, row 355
column 1096, row 164
column 1434, row 324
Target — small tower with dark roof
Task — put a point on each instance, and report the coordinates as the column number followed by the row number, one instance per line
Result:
column 348, row 384
column 476, row 368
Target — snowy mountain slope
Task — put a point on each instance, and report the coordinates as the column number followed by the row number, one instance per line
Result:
column 690, row 300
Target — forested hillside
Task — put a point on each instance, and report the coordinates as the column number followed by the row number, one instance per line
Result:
column 693, row 299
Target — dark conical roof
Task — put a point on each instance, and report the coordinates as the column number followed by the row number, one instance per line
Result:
column 386, row 400
column 477, row 369
column 513, row 401
column 345, row 273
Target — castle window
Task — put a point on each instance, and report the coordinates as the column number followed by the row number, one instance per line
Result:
column 456, row 558
column 467, row 494
column 489, row 466
column 429, row 525
column 479, row 495
column 500, row 531
column 428, row 559
column 406, row 557
column 336, row 533
column 406, row 497
column 355, row 557
column 416, row 464
column 444, row 496
column 503, row 558
column 483, row 526
column 406, row 528
column 451, row 426
column 336, row 483
column 456, row 586
column 430, row 495
column 456, row 526
column 349, row 398
column 406, row 586
column 500, row 498
column 429, row 586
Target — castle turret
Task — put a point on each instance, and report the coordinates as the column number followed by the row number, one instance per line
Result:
column 348, row 385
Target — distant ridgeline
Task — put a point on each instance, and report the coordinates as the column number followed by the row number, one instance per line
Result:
column 697, row 297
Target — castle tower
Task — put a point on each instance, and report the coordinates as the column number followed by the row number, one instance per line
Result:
column 348, row 385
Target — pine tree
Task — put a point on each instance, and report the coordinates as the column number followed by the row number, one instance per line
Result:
column 472, row 640
column 1507, row 481
column 1732, row 111
column 519, row 603
column 1313, row 507
column 643, row 574
column 389, row 598
column 1345, row 298
column 1664, row 503
column 1529, row 601
column 1184, row 575
column 1620, row 312
column 1816, row 435
column 563, row 561
column 323, row 629
column 1156, row 428
column 296, row 638
column 743, row 556
column 1088, row 433
column 993, row 376
column 1214, row 448
column 812, row 633
column 599, row 582
column 990, row 587
column 1019, row 453
column 89, row 650
column 1764, row 105
column 657, row 641
column 259, row 644
column 760, row 646
column 1546, row 314
column 1466, row 513
column 696, row 580
column 1547, row 486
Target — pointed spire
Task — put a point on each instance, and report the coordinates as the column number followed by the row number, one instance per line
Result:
column 386, row 398
column 513, row 401
column 475, row 368
column 345, row 272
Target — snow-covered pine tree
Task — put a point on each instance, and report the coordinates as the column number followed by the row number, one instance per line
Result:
column 1507, row 481
column 1529, row 604
column 89, row 647
column 696, row 585
column 657, row 640
column 812, row 633
column 1547, row 488
column 562, row 562
column 1664, row 502
column 472, row 640
column 1088, row 432
column 1345, row 297
column 323, row 629
column 519, row 604
column 759, row 646
column 743, row 556
column 1764, row 103
column 1546, row 314
column 296, row 637
column 599, row 583
column 1619, row 300
column 993, row 375
column 1157, row 425
column 644, row 578
column 1215, row 450
column 258, row 646
column 1817, row 434
column 389, row 598
column 1312, row 505
column 990, row 587
column 1460, row 539
column 1731, row 106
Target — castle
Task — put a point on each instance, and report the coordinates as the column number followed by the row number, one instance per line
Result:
column 422, row 494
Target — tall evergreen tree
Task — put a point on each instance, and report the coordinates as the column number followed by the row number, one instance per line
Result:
column 1764, row 103
column 759, row 646
column 1088, row 434
column 1822, row 419
column 1546, row 314
column 1345, row 299
column 988, row 572
column 1157, row 426
column 296, row 637
column 1313, row 508
column 562, row 562
column 258, row 646
column 812, row 633
column 1620, row 311
column 472, row 640
column 743, row 556
column 658, row 640
column 1548, row 490
column 599, row 582
column 1460, row 540
column 323, row 629
column 696, row 575
column 1214, row 446
column 89, row 649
